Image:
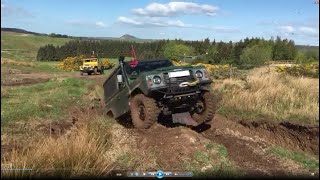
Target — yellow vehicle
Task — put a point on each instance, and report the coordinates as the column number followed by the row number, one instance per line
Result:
column 92, row 65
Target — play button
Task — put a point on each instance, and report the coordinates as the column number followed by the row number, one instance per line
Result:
column 159, row 174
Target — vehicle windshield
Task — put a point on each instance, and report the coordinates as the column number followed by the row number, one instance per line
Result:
column 90, row 60
column 144, row 66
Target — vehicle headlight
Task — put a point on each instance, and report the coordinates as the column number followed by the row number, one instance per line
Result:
column 199, row 74
column 156, row 79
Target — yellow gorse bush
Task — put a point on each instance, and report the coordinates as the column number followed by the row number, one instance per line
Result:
column 308, row 70
column 107, row 64
column 217, row 71
column 73, row 63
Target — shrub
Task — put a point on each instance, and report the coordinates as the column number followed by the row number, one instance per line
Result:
column 308, row 70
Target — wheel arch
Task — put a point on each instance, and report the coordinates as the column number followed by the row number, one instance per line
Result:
column 136, row 91
column 110, row 114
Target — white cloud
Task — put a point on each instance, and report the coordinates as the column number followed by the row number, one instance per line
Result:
column 286, row 29
column 150, row 21
column 175, row 8
column 10, row 10
column 308, row 30
column 158, row 22
column 86, row 23
column 126, row 20
column 223, row 29
column 100, row 24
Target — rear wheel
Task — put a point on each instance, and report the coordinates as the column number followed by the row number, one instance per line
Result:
column 144, row 111
column 205, row 108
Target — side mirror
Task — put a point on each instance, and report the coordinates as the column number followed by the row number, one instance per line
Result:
column 120, row 79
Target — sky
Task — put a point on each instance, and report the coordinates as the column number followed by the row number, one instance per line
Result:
column 222, row 20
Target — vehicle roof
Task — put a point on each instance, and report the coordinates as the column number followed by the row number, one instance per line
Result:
column 89, row 58
column 150, row 60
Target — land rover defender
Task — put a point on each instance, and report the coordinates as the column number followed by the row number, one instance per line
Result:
column 155, row 87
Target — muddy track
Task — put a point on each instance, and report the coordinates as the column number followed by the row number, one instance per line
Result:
column 17, row 78
column 293, row 136
column 247, row 144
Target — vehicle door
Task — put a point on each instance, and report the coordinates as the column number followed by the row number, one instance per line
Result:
column 121, row 100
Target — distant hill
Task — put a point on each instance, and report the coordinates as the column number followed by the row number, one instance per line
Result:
column 308, row 48
column 128, row 37
column 17, row 30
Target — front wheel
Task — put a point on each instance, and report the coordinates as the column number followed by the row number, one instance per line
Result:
column 95, row 71
column 144, row 111
column 205, row 108
column 81, row 73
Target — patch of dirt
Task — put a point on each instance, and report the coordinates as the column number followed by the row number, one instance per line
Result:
column 170, row 146
column 250, row 157
column 289, row 135
column 11, row 71
column 56, row 129
column 286, row 134
column 24, row 81
column 247, row 143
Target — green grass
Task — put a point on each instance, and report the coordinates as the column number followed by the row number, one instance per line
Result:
column 45, row 100
column 270, row 96
column 48, row 67
column 25, row 48
column 216, row 161
column 307, row 161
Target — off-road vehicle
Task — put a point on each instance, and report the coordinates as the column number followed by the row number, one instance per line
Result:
column 92, row 65
column 157, row 87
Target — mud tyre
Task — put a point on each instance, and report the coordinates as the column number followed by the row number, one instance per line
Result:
column 95, row 71
column 210, row 105
column 144, row 111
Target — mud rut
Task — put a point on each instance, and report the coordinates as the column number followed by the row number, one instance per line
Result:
column 246, row 142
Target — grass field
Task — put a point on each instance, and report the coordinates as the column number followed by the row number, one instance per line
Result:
column 49, row 102
column 270, row 96
column 24, row 47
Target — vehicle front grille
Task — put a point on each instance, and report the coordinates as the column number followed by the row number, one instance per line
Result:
column 173, row 84
column 177, row 80
column 182, row 90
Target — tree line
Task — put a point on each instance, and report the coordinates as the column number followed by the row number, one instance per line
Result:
column 249, row 51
